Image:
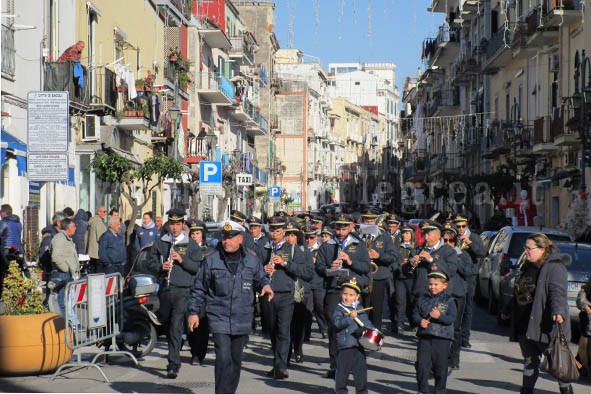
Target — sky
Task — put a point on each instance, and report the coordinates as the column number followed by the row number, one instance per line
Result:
column 340, row 31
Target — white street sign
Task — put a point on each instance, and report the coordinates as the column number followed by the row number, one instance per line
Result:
column 243, row 179
column 47, row 167
column 48, row 122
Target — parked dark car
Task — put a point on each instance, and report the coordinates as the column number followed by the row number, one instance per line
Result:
column 579, row 271
column 503, row 253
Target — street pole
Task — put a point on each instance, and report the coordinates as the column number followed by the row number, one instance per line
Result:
column 579, row 101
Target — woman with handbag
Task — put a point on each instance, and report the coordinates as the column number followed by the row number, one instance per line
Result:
column 540, row 307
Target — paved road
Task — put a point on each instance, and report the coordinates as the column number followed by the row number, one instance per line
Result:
column 493, row 365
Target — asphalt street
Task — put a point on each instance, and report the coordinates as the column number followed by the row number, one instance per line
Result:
column 493, row 365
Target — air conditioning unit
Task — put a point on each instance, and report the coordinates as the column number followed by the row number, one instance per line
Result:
column 554, row 63
column 91, row 130
column 570, row 159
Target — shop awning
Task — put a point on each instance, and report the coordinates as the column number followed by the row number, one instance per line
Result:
column 17, row 147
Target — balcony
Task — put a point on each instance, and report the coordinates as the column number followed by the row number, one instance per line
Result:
column 562, row 12
column 448, row 46
column 519, row 42
column 242, row 51
column 451, row 163
column 444, row 102
column 176, row 11
column 213, row 36
column 564, row 136
column 495, row 143
column 215, row 89
column 60, row 77
column 8, row 52
column 523, row 146
column 542, row 138
column 196, row 150
column 498, row 51
column 539, row 34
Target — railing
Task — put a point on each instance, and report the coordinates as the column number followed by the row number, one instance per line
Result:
column 520, row 35
column 264, row 124
column 496, row 42
column 8, row 51
column 448, row 98
column 241, row 47
column 60, row 77
column 447, row 35
column 215, row 81
column 197, row 147
column 552, row 5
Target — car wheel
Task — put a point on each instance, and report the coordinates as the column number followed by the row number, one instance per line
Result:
column 492, row 305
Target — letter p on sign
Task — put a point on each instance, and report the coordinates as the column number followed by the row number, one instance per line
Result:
column 210, row 172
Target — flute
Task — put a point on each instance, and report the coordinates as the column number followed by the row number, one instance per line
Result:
column 171, row 262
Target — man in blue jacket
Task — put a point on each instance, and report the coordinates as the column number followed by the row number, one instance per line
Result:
column 112, row 252
column 13, row 228
column 226, row 282
column 147, row 233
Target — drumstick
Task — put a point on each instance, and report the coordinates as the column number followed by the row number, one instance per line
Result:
column 364, row 309
column 359, row 322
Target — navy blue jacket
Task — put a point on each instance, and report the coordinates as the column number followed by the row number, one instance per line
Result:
column 317, row 282
column 389, row 260
column 445, row 259
column 299, row 266
column 346, row 327
column 146, row 235
column 466, row 269
column 359, row 255
column 14, row 229
column 442, row 327
column 260, row 246
column 79, row 237
column 182, row 275
column 112, row 248
column 229, row 298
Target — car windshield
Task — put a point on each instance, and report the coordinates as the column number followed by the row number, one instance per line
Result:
column 581, row 258
column 518, row 242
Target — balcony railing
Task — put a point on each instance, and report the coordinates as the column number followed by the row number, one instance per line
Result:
column 197, row 147
column 448, row 98
column 497, row 41
column 240, row 47
column 264, row 124
column 216, row 81
column 551, row 5
column 8, row 52
column 60, row 77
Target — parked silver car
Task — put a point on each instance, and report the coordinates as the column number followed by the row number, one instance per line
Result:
column 579, row 271
column 503, row 253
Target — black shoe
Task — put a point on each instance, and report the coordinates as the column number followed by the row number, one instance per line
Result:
column 466, row 344
column 299, row 358
column 324, row 335
column 281, row 375
column 172, row 372
column 195, row 360
column 330, row 374
column 271, row 372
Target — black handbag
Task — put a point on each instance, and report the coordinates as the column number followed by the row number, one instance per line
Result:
column 559, row 360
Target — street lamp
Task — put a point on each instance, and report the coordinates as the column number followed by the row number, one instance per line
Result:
column 580, row 101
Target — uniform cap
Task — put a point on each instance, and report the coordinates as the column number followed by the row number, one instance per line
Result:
column 352, row 284
column 459, row 218
column 231, row 228
column 407, row 229
column 437, row 274
column 196, row 225
column 281, row 214
column 253, row 221
column 292, row 227
column 277, row 221
column 393, row 219
column 176, row 215
column 342, row 220
column 327, row 230
column 309, row 231
column 237, row 215
column 450, row 228
column 369, row 214
column 317, row 219
column 428, row 225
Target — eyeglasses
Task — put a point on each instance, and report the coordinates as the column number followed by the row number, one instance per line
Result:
column 527, row 248
column 310, row 236
column 462, row 226
column 449, row 241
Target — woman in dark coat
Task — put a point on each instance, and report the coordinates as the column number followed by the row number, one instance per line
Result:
column 540, row 301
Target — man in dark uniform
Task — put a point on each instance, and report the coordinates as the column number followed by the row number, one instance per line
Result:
column 387, row 258
column 317, row 222
column 316, row 285
column 435, row 255
column 471, row 243
column 393, row 230
column 240, row 218
column 225, row 286
column 284, row 264
column 175, row 259
column 347, row 251
column 260, row 239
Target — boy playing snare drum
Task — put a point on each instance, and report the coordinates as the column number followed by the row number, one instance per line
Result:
column 350, row 356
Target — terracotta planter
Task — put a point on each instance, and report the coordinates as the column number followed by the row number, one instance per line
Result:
column 32, row 344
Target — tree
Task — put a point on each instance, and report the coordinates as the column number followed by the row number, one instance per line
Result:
column 194, row 186
column 576, row 220
column 113, row 168
column 228, row 185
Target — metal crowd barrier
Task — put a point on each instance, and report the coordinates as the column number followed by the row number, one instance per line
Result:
column 94, row 314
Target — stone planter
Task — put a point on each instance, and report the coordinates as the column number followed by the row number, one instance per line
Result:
column 32, row 344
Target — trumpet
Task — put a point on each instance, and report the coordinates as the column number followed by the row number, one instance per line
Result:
column 462, row 245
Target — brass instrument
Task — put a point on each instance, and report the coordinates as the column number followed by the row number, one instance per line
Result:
column 462, row 245
column 374, row 266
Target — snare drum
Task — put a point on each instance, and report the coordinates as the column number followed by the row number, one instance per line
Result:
column 371, row 339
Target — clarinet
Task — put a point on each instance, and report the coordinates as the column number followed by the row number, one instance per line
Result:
column 413, row 266
column 172, row 262
column 273, row 246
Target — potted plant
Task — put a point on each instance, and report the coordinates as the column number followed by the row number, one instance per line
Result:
column 175, row 54
column 33, row 341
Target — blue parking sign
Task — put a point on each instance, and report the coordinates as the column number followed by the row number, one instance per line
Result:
column 210, row 172
column 274, row 191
